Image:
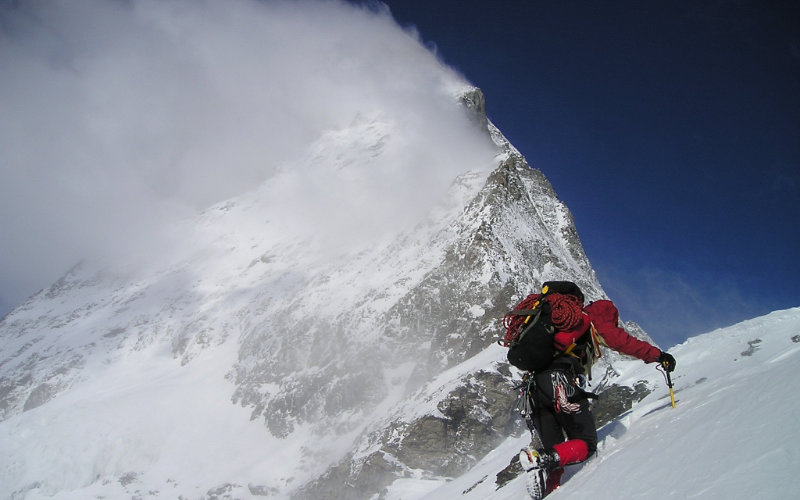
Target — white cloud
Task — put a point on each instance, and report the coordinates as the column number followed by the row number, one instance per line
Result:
column 120, row 117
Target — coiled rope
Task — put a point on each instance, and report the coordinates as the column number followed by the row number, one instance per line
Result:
column 566, row 311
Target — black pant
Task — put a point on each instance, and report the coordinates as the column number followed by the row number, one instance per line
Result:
column 562, row 409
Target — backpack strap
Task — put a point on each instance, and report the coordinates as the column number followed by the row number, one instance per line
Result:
column 524, row 312
column 528, row 324
column 516, row 326
column 596, row 340
column 589, row 344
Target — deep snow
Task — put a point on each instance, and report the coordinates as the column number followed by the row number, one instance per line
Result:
column 732, row 434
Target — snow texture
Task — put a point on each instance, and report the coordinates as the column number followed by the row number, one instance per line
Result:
column 730, row 435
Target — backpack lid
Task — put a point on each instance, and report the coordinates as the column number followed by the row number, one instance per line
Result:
column 564, row 288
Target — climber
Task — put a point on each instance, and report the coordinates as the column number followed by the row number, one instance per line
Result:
column 559, row 408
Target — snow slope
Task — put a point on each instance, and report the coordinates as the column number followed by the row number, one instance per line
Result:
column 732, row 434
column 146, row 414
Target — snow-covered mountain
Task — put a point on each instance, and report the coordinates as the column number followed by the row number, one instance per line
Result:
column 305, row 339
column 313, row 351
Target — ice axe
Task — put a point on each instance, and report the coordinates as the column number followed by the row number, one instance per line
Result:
column 662, row 367
column 671, row 390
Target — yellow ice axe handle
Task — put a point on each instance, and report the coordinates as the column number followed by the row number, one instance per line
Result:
column 669, row 384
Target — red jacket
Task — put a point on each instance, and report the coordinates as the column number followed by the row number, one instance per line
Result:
column 604, row 316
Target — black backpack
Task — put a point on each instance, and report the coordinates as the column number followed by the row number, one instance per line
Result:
column 530, row 330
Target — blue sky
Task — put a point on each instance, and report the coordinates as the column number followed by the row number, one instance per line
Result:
column 670, row 129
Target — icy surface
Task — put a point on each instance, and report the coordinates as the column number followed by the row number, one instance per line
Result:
column 730, row 435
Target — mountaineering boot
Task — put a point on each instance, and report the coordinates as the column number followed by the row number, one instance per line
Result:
column 538, row 464
column 539, row 459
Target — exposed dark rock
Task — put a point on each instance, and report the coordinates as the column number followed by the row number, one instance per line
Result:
column 513, row 470
column 616, row 400
column 752, row 347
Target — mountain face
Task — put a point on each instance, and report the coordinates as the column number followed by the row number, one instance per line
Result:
column 334, row 364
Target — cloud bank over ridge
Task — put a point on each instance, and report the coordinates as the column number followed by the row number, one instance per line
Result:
column 123, row 117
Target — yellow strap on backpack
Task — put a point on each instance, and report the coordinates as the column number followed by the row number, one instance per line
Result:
column 528, row 318
column 569, row 352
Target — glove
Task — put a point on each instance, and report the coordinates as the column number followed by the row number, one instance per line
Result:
column 667, row 361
